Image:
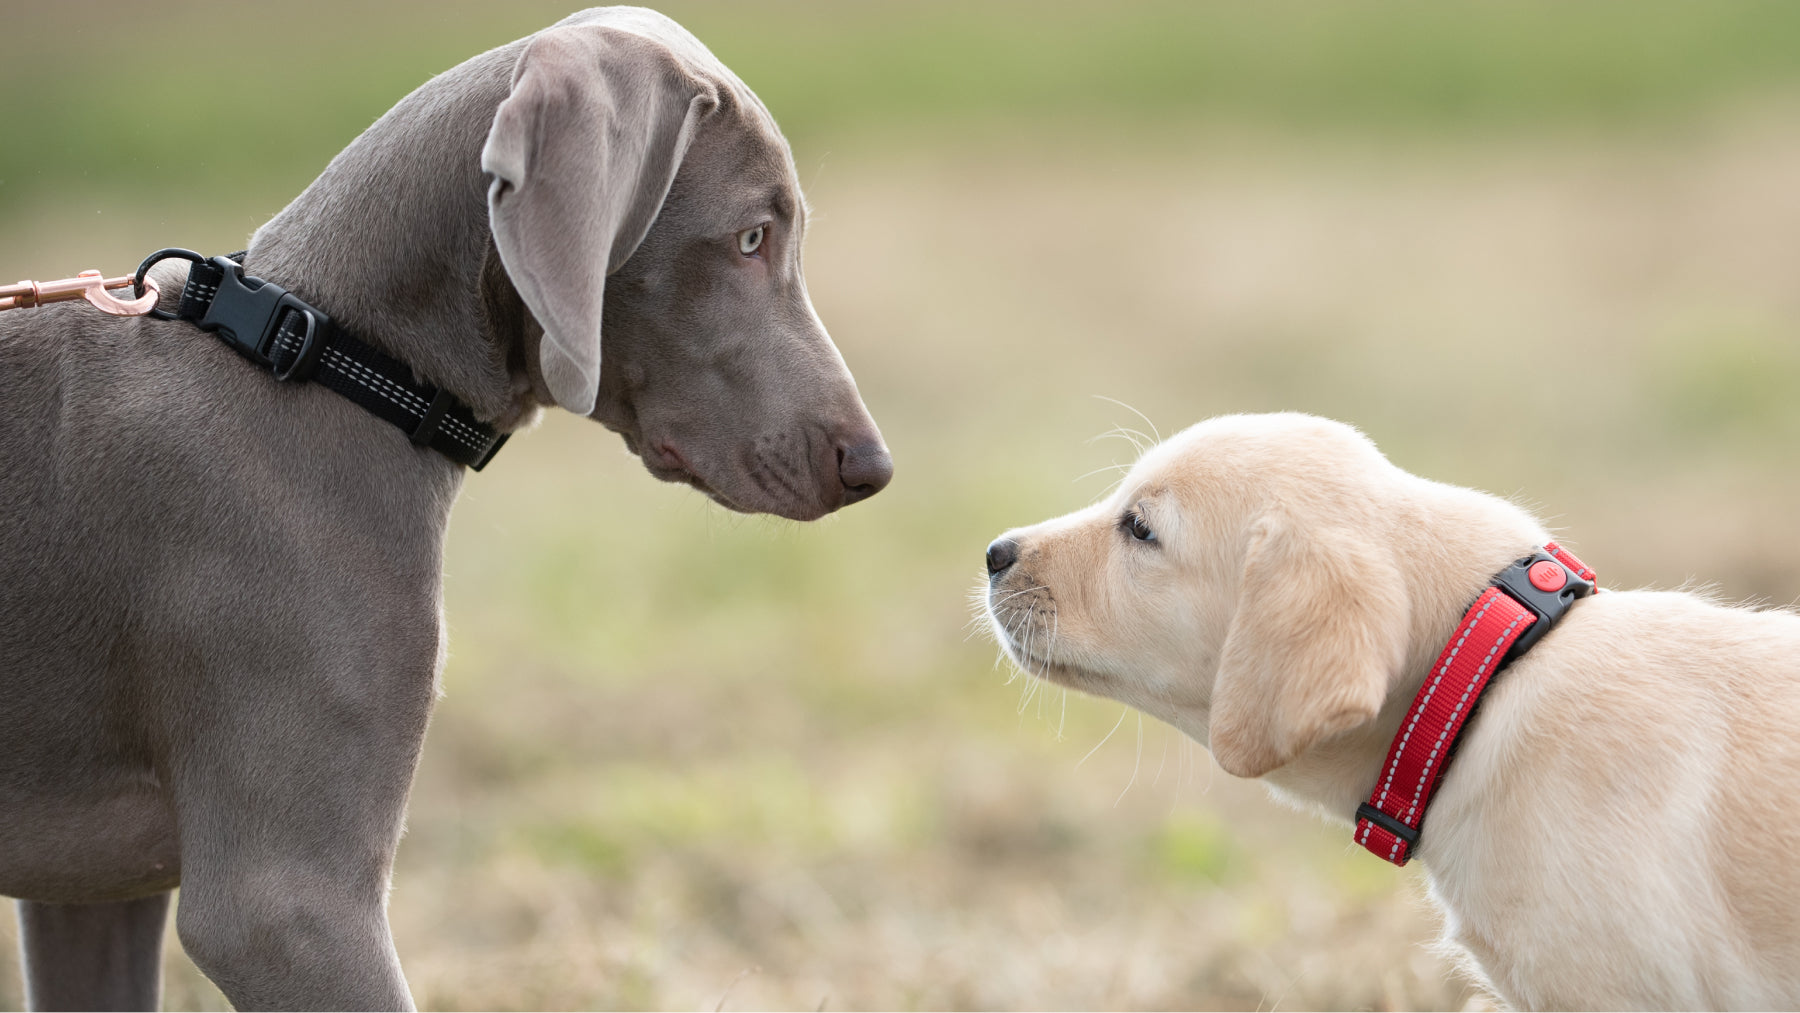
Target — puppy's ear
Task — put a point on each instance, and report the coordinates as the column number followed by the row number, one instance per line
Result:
column 1319, row 637
column 582, row 153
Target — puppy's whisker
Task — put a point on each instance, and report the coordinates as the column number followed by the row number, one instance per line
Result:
column 996, row 609
column 1165, row 758
column 1113, row 486
column 1019, row 636
column 978, row 595
column 1120, row 468
column 981, row 622
column 1181, row 755
column 1024, row 642
column 989, row 614
column 1118, row 434
column 1030, row 630
column 1134, row 411
column 1136, row 763
column 1010, row 595
column 1050, row 644
column 1103, row 742
column 1138, row 440
column 1031, row 694
column 1031, row 691
column 1032, row 664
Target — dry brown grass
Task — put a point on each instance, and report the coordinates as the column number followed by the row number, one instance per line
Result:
column 687, row 760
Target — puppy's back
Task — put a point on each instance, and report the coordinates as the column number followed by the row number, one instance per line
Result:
column 1636, row 777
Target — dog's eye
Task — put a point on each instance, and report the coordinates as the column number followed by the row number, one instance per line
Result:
column 750, row 240
column 1138, row 528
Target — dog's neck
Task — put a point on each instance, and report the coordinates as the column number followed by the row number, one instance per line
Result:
column 1445, row 574
column 423, row 281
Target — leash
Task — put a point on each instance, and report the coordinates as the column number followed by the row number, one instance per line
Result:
column 1522, row 603
column 294, row 340
column 87, row 285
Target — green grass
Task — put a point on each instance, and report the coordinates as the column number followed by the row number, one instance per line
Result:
column 1194, row 847
column 246, row 102
column 1732, row 381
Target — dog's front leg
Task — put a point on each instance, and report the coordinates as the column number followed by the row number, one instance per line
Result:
column 290, row 812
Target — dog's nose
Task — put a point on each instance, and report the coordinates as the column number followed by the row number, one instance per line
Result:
column 865, row 470
column 1003, row 553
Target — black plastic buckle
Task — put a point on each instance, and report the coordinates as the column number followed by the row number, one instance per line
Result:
column 246, row 313
column 1388, row 823
column 1547, row 605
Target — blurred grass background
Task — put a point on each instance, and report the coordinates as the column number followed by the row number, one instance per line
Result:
column 692, row 760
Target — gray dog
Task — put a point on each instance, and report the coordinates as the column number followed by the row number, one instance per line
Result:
column 220, row 616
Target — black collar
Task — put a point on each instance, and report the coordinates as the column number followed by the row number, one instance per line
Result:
column 296, row 341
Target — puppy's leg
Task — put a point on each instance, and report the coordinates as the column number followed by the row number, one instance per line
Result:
column 93, row 956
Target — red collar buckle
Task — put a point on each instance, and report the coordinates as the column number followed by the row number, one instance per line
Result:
column 1547, row 582
column 1521, row 604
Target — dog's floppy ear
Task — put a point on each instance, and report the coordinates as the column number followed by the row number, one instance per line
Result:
column 1318, row 638
column 582, row 153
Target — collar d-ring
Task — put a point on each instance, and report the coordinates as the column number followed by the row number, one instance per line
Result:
column 169, row 253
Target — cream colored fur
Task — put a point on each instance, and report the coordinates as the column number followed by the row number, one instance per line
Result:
column 1620, row 828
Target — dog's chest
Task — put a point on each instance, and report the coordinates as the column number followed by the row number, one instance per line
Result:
column 93, row 848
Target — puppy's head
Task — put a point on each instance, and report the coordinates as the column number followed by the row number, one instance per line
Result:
column 644, row 204
column 1238, row 585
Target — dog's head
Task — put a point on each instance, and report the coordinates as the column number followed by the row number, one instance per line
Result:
column 1238, row 585
column 643, row 203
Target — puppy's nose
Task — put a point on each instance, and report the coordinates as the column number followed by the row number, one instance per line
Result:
column 865, row 470
column 1003, row 553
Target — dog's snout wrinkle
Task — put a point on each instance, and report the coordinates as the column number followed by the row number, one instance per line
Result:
column 777, row 463
column 805, row 473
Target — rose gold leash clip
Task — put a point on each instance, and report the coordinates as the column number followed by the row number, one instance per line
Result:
column 87, row 285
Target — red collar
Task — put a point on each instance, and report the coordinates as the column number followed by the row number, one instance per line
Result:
column 1524, row 601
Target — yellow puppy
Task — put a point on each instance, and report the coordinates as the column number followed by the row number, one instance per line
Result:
column 1620, row 825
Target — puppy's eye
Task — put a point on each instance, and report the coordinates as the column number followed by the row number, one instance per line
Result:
column 1138, row 528
column 750, row 240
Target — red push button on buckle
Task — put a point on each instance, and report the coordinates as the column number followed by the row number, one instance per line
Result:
column 1546, row 575
column 1546, row 585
